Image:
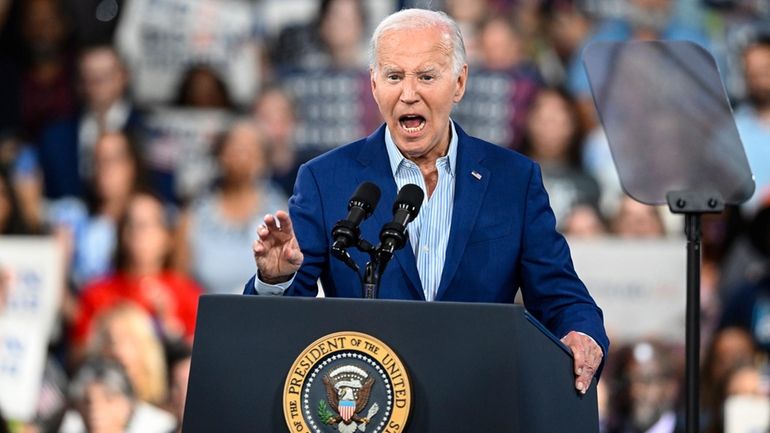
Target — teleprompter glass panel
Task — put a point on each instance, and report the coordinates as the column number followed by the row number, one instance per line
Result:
column 668, row 120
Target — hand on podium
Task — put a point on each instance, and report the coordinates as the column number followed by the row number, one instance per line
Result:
column 587, row 354
column 276, row 251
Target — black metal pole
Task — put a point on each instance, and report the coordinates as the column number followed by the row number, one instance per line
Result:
column 692, row 229
column 371, row 280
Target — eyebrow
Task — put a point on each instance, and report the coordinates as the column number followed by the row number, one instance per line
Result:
column 387, row 69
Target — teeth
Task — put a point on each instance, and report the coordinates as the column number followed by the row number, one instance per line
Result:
column 415, row 129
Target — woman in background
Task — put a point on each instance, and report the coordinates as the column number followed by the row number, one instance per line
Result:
column 553, row 138
column 126, row 333
column 142, row 276
column 104, row 401
column 218, row 227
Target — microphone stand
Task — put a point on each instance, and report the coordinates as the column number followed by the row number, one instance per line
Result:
column 375, row 267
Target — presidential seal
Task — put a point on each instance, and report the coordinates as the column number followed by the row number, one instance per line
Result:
column 347, row 382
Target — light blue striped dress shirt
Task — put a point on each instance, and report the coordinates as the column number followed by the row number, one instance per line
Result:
column 429, row 232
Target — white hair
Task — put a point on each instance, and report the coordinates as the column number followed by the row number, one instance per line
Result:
column 419, row 19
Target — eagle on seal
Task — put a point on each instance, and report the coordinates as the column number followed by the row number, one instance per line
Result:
column 348, row 397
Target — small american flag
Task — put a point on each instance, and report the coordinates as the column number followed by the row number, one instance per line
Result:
column 347, row 408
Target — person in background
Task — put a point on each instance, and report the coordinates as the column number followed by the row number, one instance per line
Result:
column 46, row 90
column 217, row 228
column 553, row 137
column 11, row 222
column 469, row 15
column 322, row 66
column 752, row 117
column 127, row 334
column 202, row 87
column 500, row 96
column 742, row 379
column 565, row 26
column 274, row 112
column 748, row 305
column 646, row 399
column 729, row 348
column 333, row 40
column 640, row 20
column 18, row 159
column 179, row 375
column 117, row 173
column 66, row 147
column 637, row 220
column 104, row 401
column 584, row 221
column 142, row 276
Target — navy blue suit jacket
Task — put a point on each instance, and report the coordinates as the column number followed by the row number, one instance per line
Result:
column 503, row 235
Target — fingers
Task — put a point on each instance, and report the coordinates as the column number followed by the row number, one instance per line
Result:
column 284, row 222
column 587, row 358
column 271, row 223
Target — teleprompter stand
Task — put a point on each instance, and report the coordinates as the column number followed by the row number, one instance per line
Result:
column 674, row 141
column 472, row 367
column 693, row 205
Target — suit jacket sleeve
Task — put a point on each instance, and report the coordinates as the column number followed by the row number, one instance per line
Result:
column 306, row 211
column 551, row 289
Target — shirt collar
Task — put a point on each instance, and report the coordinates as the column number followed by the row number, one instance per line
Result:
column 396, row 157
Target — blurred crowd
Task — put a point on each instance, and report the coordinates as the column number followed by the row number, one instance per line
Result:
column 146, row 227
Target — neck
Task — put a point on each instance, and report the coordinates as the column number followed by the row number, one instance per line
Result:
column 345, row 56
column 763, row 113
column 113, row 207
column 282, row 158
column 145, row 269
column 237, row 188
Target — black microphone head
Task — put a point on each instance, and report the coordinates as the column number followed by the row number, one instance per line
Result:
column 367, row 195
column 409, row 197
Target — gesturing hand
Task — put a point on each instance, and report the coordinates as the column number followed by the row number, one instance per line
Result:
column 276, row 251
column 588, row 355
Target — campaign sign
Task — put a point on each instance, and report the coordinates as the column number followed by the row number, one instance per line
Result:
column 32, row 271
column 639, row 284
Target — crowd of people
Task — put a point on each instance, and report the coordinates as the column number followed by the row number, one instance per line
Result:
column 80, row 161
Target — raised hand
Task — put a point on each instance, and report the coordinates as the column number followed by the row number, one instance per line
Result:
column 276, row 251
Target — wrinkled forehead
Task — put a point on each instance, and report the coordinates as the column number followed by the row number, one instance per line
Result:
column 414, row 48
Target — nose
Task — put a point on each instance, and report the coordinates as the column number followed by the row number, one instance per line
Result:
column 409, row 93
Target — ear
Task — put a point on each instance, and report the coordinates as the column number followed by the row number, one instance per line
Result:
column 373, row 82
column 462, row 78
column 372, row 79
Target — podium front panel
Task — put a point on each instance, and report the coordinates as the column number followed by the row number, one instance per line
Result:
column 473, row 367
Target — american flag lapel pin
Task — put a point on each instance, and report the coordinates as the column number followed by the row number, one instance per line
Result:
column 476, row 174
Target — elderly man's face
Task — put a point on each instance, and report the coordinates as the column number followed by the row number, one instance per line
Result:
column 415, row 88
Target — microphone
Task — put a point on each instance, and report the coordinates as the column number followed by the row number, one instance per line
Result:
column 361, row 205
column 393, row 234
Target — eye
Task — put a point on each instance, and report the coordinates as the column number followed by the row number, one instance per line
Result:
column 427, row 77
column 392, row 77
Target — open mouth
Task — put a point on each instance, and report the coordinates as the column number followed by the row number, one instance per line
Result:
column 412, row 123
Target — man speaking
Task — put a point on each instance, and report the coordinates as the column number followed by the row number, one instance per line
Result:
column 485, row 228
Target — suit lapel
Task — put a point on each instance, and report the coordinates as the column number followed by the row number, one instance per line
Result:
column 471, row 181
column 374, row 158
